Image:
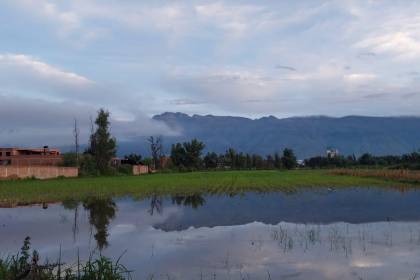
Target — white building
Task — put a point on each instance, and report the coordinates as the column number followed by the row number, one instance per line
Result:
column 332, row 153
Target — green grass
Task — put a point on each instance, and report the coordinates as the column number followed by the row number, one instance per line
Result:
column 36, row 191
column 25, row 265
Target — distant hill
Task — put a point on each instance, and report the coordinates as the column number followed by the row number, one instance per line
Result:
column 308, row 136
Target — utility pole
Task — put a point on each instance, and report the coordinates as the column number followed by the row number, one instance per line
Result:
column 76, row 140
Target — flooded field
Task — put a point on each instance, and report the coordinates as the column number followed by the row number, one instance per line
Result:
column 354, row 233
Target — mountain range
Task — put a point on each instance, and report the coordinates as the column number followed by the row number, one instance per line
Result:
column 307, row 136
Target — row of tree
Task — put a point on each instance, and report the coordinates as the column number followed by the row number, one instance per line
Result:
column 406, row 161
column 188, row 156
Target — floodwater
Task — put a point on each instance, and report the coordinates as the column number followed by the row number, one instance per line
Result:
column 356, row 233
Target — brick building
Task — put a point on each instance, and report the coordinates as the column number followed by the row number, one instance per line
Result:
column 30, row 157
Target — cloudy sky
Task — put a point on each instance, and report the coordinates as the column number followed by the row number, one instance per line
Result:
column 65, row 59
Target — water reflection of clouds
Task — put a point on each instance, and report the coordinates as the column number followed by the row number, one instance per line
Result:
column 378, row 250
column 230, row 251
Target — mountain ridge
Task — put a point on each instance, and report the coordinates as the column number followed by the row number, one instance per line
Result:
column 307, row 135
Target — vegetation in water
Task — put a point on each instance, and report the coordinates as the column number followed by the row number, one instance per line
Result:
column 26, row 265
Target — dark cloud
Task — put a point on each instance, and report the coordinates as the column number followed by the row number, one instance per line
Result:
column 366, row 55
column 285, row 67
column 375, row 95
column 185, row 101
column 411, row 95
column 256, row 101
column 38, row 122
column 413, row 73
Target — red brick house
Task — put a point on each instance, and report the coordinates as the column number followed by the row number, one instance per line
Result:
column 30, row 157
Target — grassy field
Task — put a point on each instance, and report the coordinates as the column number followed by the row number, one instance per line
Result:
column 400, row 175
column 34, row 191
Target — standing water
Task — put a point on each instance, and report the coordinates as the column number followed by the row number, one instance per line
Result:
column 357, row 233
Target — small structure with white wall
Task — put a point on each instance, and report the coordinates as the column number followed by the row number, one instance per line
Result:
column 332, row 153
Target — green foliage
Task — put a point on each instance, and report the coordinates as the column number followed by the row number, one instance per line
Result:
column 133, row 159
column 103, row 145
column 104, row 268
column 277, row 161
column 178, row 154
column 193, row 151
column 148, row 161
column 21, row 265
column 125, row 169
column 187, row 155
column 69, row 160
column 289, row 159
column 240, row 161
column 407, row 161
column 88, row 165
column 366, row 159
column 210, row 160
column 25, row 266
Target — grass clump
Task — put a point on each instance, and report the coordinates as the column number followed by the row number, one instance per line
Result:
column 25, row 265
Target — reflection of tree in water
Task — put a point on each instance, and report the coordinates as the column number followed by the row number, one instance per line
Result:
column 195, row 200
column 156, row 202
column 72, row 204
column 156, row 205
column 101, row 212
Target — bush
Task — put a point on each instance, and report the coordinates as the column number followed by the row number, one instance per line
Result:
column 126, row 169
column 88, row 165
column 69, row 160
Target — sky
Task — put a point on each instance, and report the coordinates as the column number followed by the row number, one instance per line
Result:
column 61, row 60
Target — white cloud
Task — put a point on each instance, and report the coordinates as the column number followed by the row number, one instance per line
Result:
column 74, row 20
column 401, row 44
column 27, row 65
column 225, row 53
column 234, row 19
column 360, row 77
column 66, row 22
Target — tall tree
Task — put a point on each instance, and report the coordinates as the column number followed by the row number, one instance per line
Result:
column 178, row 155
column 270, row 163
column 76, row 140
column 193, row 151
column 289, row 159
column 188, row 154
column 231, row 156
column 103, row 145
column 156, row 148
column 210, row 160
column 277, row 161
